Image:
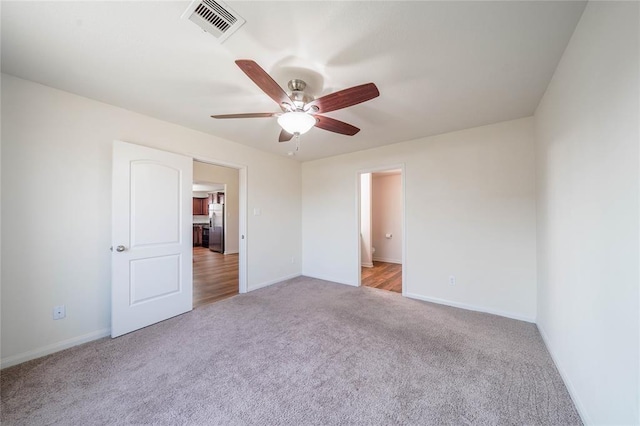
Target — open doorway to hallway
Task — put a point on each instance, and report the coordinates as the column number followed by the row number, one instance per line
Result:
column 215, row 233
column 381, row 245
column 215, row 276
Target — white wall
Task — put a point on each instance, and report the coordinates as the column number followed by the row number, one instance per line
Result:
column 56, row 203
column 203, row 172
column 470, row 212
column 366, row 255
column 587, row 150
column 387, row 217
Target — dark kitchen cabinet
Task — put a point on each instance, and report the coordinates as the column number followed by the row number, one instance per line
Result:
column 205, row 237
column 197, row 236
column 201, row 236
column 200, row 206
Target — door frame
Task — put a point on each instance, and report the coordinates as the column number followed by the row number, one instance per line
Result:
column 242, row 211
column 401, row 167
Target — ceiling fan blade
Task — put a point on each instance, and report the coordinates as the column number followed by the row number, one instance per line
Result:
column 249, row 115
column 336, row 126
column 284, row 136
column 264, row 81
column 346, row 98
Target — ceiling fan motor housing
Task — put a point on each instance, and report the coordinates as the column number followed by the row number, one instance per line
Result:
column 298, row 96
column 297, row 85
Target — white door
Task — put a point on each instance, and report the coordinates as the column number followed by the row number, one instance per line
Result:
column 151, row 229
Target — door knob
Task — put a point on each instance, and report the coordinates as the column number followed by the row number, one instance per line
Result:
column 120, row 249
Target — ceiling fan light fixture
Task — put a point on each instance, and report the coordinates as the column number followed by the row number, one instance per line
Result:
column 296, row 122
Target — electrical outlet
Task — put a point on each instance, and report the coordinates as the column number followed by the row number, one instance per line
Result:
column 452, row 280
column 59, row 312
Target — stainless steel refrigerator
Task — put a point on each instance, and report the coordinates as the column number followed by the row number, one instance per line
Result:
column 216, row 227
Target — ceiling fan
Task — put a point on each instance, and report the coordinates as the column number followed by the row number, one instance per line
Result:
column 300, row 111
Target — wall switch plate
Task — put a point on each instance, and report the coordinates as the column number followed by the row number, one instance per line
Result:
column 452, row 280
column 257, row 211
column 59, row 312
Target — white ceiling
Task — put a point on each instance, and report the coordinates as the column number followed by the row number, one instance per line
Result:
column 207, row 187
column 439, row 66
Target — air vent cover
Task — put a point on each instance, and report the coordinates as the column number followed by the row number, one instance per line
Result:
column 214, row 17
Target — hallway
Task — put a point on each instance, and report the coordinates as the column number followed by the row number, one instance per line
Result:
column 383, row 276
column 215, row 276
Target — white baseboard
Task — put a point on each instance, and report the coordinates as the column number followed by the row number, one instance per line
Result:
column 367, row 265
column 271, row 282
column 231, row 252
column 387, row 260
column 565, row 378
column 54, row 347
column 333, row 280
column 471, row 307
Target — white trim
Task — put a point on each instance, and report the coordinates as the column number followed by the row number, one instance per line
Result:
column 383, row 168
column 471, row 307
column 231, row 252
column 366, row 265
column 330, row 279
column 358, row 227
column 243, row 183
column 403, row 180
column 387, row 260
column 54, row 347
column 272, row 282
column 565, row 378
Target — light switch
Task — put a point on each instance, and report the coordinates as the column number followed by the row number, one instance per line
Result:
column 257, row 211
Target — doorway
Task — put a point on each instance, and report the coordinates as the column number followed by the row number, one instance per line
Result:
column 381, row 228
column 216, row 240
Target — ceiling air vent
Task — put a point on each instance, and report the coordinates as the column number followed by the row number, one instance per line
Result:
column 214, row 17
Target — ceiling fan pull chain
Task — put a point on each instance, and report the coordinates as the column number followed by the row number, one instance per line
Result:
column 297, row 136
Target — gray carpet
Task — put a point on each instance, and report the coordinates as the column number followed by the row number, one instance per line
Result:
column 301, row 352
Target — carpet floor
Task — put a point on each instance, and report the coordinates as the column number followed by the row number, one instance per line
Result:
column 300, row 352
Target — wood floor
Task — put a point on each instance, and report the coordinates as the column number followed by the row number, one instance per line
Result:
column 383, row 275
column 215, row 276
